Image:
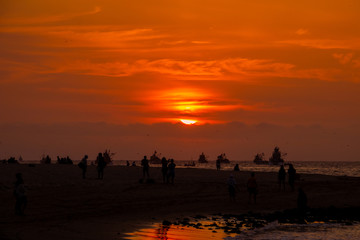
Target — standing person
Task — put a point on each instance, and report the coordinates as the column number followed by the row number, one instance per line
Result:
column 83, row 166
column 236, row 168
column 20, row 195
column 302, row 201
column 171, row 173
column 292, row 174
column 100, row 165
column 281, row 177
column 164, row 168
column 145, row 165
column 232, row 187
column 218, row 164
column 252, row 187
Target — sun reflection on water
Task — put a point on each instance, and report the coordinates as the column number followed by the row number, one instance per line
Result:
column 159, row 231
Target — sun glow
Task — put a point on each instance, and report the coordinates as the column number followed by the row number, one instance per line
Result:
column 188, row 122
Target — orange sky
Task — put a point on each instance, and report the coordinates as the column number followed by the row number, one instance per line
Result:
column 140, row 61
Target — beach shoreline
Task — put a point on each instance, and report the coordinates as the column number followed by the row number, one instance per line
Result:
column 62, row 205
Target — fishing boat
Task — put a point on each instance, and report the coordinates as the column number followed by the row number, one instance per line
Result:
column 276, row 158
column 259, row 159
column 154, row 159
column 202, row 158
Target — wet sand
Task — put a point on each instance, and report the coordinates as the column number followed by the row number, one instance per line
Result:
column 62, row 205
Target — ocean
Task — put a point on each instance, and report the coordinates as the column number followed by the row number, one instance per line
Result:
column 351, row 169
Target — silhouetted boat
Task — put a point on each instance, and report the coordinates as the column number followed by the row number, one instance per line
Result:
column 276, row 158
column 202, row 158
column 154, row 159
column 259, row 159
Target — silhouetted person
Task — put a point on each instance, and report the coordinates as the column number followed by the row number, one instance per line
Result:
column 218, row 164
column 281, row 177
column 252, row 187
column 236, row 168
column 302, row 201
column 133, row 164
column 164, row 168
column 292, row 175
column 20, row 195
column 100, row 165
column 232, row 187
column 171, row 171
column 145, row 165
column 127, row 163
column 47, row 159
column 83, row 165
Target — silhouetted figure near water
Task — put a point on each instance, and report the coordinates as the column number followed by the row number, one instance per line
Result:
column 232, row 187
column 100, row 165
column 133, row 164
column 63, row 160
column 302, row 202
column 145, row 165
column 252, row 187
column 171, row 171
column 83, row 165
column 45, row 160
column 20, row 195
column 292, row 175
column 164, row 168
column 127, row 163
column 236, row 168
column 281, row 177
column 218, row 164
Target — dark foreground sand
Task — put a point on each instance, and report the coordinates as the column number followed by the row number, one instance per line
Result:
column 61, row 205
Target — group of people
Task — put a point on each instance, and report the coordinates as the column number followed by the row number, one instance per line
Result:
column 167, row 169
column 100, row 162
column 252, row 187
column 291, row 177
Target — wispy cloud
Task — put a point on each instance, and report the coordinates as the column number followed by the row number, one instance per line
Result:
column 302, row 31
column 324, row 43
column 47, row 18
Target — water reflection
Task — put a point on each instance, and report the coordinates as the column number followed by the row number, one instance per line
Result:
column 173, row 232
column 272, row 231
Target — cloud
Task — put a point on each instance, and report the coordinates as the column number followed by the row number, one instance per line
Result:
column 208, row 69
column 48, row 18
column 343, row 58
column 324, row 43
column 302, row 31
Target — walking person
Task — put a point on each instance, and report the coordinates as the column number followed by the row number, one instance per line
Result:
column 20, row 195
column 232, row 187
column 164, row 168
column 302, row 201
column 281, row 177
column 218, row 164
column 83, row 165
column 100, row 165
column 145, row 165
column 252, row 187
column 292, row 175
column 171, row 171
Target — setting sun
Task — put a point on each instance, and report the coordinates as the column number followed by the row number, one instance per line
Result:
column 188, row 122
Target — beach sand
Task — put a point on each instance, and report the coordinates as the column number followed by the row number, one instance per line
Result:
column 62, row 205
